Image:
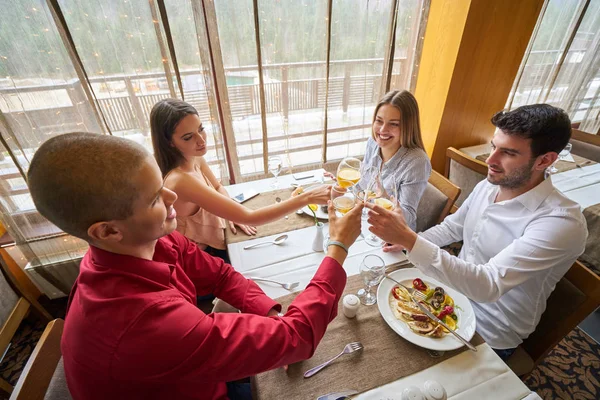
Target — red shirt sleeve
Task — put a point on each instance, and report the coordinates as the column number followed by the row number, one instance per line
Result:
column 212, row 275
column 190, row 345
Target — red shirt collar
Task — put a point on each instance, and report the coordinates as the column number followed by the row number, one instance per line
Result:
column 159, row 269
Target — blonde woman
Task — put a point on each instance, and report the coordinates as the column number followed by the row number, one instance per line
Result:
column 396, row 149
column 203, row 205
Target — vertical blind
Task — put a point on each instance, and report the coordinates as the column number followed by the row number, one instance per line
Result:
column 297, row 79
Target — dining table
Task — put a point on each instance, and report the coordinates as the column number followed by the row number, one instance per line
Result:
column 388, row 364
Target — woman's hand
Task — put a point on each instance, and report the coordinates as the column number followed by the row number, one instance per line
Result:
column 319, row 195
column 247, row 229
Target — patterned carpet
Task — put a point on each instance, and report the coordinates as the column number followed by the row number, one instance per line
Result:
column 570, row 372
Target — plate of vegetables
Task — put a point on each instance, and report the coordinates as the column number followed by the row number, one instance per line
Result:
column 407, row 320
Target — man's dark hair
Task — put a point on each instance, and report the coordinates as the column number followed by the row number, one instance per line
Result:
column 548, row 127
column 78, row 179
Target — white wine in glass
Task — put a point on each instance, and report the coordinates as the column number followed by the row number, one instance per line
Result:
column 348, row 172
column 389, row 195
column 343, row 199
column 343, row 204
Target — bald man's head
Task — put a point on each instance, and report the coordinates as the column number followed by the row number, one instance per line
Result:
column 78, row 179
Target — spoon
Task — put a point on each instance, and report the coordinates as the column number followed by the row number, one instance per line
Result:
column 278, row 240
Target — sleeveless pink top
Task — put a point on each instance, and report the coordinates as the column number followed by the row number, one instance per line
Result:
column 203, row 227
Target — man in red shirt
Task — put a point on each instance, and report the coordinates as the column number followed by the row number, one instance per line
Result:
column 133, row 330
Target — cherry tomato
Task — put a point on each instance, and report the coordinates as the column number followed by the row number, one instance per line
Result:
column 448, row 310
column 419, row 285
column 395, row 294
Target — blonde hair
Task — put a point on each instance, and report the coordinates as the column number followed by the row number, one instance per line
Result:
column 410, row 127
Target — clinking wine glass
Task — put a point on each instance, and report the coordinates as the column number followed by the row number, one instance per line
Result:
column 348, row 172
column 275, row 167
column 369, row 187
column 385, row 196
column 343, row 200
column 372, row 270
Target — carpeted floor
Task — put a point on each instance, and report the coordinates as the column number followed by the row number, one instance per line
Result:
column 570, row 372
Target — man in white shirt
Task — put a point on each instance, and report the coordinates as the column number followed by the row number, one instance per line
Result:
column 520, row 235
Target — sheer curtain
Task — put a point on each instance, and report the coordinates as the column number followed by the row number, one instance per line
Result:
column 562, row 64
column 295, row 79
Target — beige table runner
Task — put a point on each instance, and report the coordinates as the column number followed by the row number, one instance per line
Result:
column 385, row 358
column 293, row 222
column 561, row 166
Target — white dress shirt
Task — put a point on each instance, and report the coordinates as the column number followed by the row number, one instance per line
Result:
column 514, row 253
column 410, row 167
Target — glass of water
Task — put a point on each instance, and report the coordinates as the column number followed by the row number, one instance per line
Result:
column 372, row 270
column 275, row 167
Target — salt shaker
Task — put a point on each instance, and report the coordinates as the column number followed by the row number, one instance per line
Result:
column 350, row 305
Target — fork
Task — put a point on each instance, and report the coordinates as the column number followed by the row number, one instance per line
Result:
column 287, row 286
column 349, row 348
column 417, row 294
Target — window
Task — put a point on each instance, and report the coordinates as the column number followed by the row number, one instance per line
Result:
column 298, row 79
column 561, row 63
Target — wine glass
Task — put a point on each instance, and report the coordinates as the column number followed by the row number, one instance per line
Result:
column 372, row 270
column 343, row 200
column 369, row 186
column 561, row 156
column 565, row 152
column 348, row 172
column 384, row 196
column 275, row 166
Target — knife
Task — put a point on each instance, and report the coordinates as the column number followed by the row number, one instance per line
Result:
column 442, row 323
column 337, row 395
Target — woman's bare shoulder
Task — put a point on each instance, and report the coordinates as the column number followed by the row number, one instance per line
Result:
column 178, row 178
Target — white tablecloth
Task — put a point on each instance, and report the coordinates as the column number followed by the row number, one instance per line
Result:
column 469, row 375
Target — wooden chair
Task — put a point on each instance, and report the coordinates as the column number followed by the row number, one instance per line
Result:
column 464, row 171
column 576, row 295
column 585, row 145
column 16, row 301
column 437, row 200
column 43, row 376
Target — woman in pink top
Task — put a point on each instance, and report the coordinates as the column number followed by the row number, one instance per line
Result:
column 203, row 205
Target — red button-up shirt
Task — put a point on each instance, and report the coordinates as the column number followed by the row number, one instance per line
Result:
column 133, row 330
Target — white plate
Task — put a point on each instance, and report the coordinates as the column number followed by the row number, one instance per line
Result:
column 466, row 315
column 320, row 213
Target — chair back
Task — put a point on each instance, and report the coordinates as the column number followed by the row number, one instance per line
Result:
column 8, row 300
column 436, row 202
column 586, row 145
column 576, row 295
column 43, row 377
column 464, row 171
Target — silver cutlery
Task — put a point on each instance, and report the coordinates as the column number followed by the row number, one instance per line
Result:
column 349, row 348
column 278, row 240
column 442, row 323
column 413, row 292
column 337, row 395
column 287, row 286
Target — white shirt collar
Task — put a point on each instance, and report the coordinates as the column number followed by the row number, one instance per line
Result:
column 531, row 199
